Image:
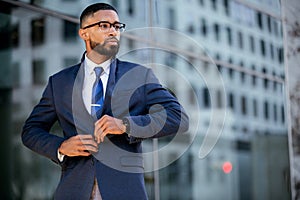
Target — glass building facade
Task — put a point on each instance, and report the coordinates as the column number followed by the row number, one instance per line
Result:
column 223, row 59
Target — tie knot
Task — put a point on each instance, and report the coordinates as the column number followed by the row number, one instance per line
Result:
column 98, row 71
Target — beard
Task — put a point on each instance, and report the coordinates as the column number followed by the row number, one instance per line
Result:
column 105, row 48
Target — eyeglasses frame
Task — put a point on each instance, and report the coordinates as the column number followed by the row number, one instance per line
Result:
column 111, row 25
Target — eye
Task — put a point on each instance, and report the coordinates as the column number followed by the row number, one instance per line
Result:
column 117, row 26
column 104, row 25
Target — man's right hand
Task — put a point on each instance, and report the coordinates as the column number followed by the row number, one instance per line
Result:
column 79, row 145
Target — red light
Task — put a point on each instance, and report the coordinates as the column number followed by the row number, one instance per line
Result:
column 227, row 167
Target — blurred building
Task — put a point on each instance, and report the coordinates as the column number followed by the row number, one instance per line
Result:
column 223, row 59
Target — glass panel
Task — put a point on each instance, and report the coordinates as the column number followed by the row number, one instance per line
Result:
column 31, row 38
column 222, row 59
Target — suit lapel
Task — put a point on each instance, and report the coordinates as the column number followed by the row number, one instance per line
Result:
column 83, row 121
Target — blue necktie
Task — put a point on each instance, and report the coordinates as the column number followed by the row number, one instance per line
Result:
column 97, row 95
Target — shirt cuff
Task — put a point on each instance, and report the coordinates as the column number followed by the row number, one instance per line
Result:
column 60, row 156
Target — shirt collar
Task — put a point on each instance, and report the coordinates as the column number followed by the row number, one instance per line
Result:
column 90, row 65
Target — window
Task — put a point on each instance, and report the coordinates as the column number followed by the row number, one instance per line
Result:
column 240, row 40
column 172, row 18
column 243, row 75
column 262, row 48
column 253, row 76
column 191, row 28
column 275, row 26
column 275, row 112
column 282, row 114
column 272, row 51
column 15, row 37
column 266, row 81
column 269, row 24
column 229, row 35
column 218, row 58
column 217, row 32
column 206, row 98
column 231, row 101
column 266, row 110
column 219, row 99
column 259, row 20
column 70, row 31
column 130, row 8
column 171, row 59
column 255, row 110
column 280, row 55
column 252, row 43
column 274, row 86
column 37, row 31
column 226, row 7
column 201, row 2
column 244, row 105
column 204, row 27
column 231, row 71
column 38, row 70
column 253, row 80
column 214, row 4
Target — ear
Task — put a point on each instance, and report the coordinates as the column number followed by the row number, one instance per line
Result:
column 83, row 34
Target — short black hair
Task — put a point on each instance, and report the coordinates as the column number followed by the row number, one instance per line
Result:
column 91, row 9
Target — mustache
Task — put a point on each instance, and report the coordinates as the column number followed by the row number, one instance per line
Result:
column 111, row 39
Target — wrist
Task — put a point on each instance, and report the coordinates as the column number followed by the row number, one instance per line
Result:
column 126, row 124
column 60, row 155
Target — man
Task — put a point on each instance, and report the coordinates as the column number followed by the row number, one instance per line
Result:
column 106, row 107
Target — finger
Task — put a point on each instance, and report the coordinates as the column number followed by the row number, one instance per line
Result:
column 105, row 129
column 83, row 153
column 90, row 141
column 97, row 133
column 85, row 137
column 103, row 120
column 103, row 134
column 90, row 148
column 87, row 148
column 100, row 127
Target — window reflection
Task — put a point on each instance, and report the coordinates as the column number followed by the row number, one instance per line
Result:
column 238, row 36
column 37, row 31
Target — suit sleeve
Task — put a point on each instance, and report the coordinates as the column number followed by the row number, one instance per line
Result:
column 35, row 134
column 164, row 114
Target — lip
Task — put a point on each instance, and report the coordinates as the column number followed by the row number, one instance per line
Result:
column 112, row 41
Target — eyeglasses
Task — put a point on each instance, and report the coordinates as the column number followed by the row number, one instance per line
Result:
column 105, row 26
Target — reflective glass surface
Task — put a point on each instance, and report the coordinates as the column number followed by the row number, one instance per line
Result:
column 221, row 59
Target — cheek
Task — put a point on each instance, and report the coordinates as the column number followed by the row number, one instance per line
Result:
column 97, row 38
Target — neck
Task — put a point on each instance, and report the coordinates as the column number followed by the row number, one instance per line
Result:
column 96, row 57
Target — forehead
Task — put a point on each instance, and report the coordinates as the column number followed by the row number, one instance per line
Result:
column 103, row 15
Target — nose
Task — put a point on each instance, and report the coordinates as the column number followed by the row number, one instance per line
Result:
column 112, row 31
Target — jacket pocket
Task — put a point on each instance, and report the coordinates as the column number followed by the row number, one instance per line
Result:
column 132, row 161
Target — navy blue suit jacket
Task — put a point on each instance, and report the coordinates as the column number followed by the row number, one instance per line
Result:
column 133, row 92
